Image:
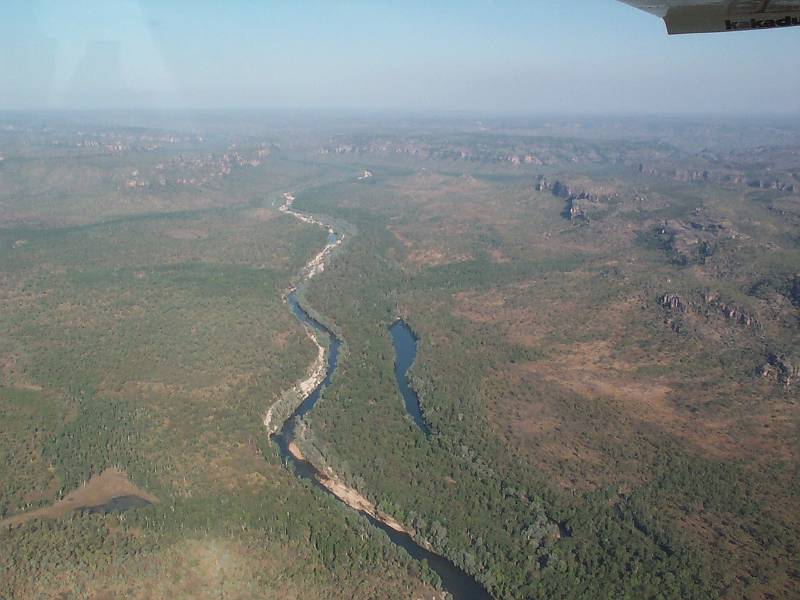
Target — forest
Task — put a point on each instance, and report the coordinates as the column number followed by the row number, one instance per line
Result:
column 606, row 361
column 153, row 343
column 539, row 486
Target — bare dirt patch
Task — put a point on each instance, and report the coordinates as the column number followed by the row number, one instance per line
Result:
column 588, row 398
column 603, row 373
column 100, row 489
column 400, row 237
column 479, row 308
column 498, row 256
column 589, row 370
column 427, row 186
column 535, row 430
column 424, row 254
column 435, row 257
column 519, row 320
column 263, row 214
column 12, row 374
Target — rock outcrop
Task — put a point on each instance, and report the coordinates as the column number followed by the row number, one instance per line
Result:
column 794, row 290
column 775, row 184
column 708, row 304
column 718, row 175
column 577, row 202
column 731, row 311
column 674, row 302
column 696, row 240
column 782, row 369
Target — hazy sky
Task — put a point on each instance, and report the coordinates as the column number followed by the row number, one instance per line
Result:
column 587, row 56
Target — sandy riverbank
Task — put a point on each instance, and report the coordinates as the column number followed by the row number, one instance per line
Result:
column 300, row 390
column 327, row 479
column 317, row 370
column 317, row 264
column 349, row 496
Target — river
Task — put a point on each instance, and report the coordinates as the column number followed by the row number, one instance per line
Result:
column 457, row 582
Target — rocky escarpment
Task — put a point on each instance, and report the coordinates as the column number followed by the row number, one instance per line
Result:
column 719, row 176
column 195, row 171
column 688, row 174
column 781, row 368
column 693, row 242
column 479, row 153
column 578, row 203
column 772, row 184
column 509, row 150
column 707, row 305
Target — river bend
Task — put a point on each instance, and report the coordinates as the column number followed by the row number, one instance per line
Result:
column 457, row 582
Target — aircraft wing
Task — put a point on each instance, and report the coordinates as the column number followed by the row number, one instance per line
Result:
column 698, row 16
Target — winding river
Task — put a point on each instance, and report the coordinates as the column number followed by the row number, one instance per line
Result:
column 458, row 583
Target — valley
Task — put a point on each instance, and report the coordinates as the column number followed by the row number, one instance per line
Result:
column 526, row 359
